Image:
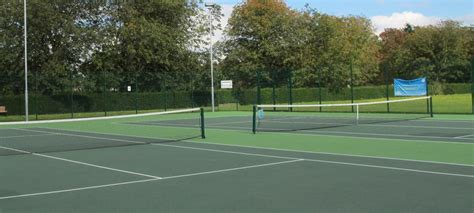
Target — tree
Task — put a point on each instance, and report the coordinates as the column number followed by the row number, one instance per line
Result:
column 337, row 43
column 261, row 36
column 440, row 52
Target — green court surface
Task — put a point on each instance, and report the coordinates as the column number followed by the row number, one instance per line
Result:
column 153, row 164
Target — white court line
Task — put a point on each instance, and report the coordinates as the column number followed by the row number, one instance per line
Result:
column 232, row 169
column 100, row 118
column 81, row 163
column 333, row 154
column 393, row 168
column 370, row 125
column 233, row 122
column 227, row 152
column 215, row 150
column 379, row 134
column 76, row 189
column 296, row 151
column 323, row 161
column 160, row 124
column 285, row 120
column 223, row 128
column 274, row 156
column 466, row 136
column 86, row 136
column 15, row 150
column 24, row 136
column 148, row 180
column 427, row 120
column 97, row 166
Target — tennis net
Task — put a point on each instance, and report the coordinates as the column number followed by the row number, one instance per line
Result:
column 319, row 116
column 105, row 132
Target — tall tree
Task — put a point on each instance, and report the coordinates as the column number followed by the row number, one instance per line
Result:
column 260, row 36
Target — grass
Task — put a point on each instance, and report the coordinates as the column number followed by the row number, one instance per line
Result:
column 444, row 104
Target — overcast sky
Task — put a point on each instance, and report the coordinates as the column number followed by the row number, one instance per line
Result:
column 383, row 13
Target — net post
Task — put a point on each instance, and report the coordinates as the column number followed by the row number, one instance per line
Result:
column 431, row 106
column 254, row 119
column 203, row 128
column 427, row 95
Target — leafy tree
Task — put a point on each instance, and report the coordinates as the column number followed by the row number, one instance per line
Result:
column 336, row 43
column 261, row 36
column 440, row 52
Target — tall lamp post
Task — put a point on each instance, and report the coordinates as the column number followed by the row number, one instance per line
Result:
column 211, row 6
column 26, row 60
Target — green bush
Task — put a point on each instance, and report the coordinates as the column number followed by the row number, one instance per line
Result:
column 116, row 101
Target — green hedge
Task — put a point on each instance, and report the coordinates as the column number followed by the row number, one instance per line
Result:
column 96, row 102
column 114, row 101
column 301, row 95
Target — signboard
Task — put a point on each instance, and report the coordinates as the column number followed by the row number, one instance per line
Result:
column 415, row 87
column 226, row 84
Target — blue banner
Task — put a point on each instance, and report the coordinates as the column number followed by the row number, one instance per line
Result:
column 415, row 87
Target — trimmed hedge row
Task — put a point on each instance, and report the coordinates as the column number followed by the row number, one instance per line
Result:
column 97, row 102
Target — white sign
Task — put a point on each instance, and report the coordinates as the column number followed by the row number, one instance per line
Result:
column 129, row 88
column 226, row 84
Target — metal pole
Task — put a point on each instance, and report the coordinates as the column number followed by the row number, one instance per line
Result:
column 26, row 60
column 290, row 89
column 136, row 92
column 386, row 86
column 352, row 86
column 254, row 119
column 203, row 128
column 472, row 84
column 320, row 89
column 211, row 57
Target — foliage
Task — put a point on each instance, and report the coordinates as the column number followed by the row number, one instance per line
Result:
column 89, row 46
column 80, row 47
column 441, row 52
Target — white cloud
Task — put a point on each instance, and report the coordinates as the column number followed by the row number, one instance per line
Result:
column 399, row 20
column 466, row 20
column 395, row 20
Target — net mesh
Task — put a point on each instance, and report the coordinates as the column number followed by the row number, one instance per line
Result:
column 104, row 132
column 310, row 117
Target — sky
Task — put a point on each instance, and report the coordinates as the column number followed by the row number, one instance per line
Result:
column 382, row 13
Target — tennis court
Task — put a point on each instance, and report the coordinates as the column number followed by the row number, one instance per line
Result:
column 160, row 163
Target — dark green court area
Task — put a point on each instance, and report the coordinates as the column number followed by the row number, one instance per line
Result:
column 58, row 170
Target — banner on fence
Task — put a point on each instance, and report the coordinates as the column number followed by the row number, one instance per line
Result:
column 414, row 87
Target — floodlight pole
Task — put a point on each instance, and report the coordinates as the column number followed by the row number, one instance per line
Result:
column 210, row 6
column 26, row 60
